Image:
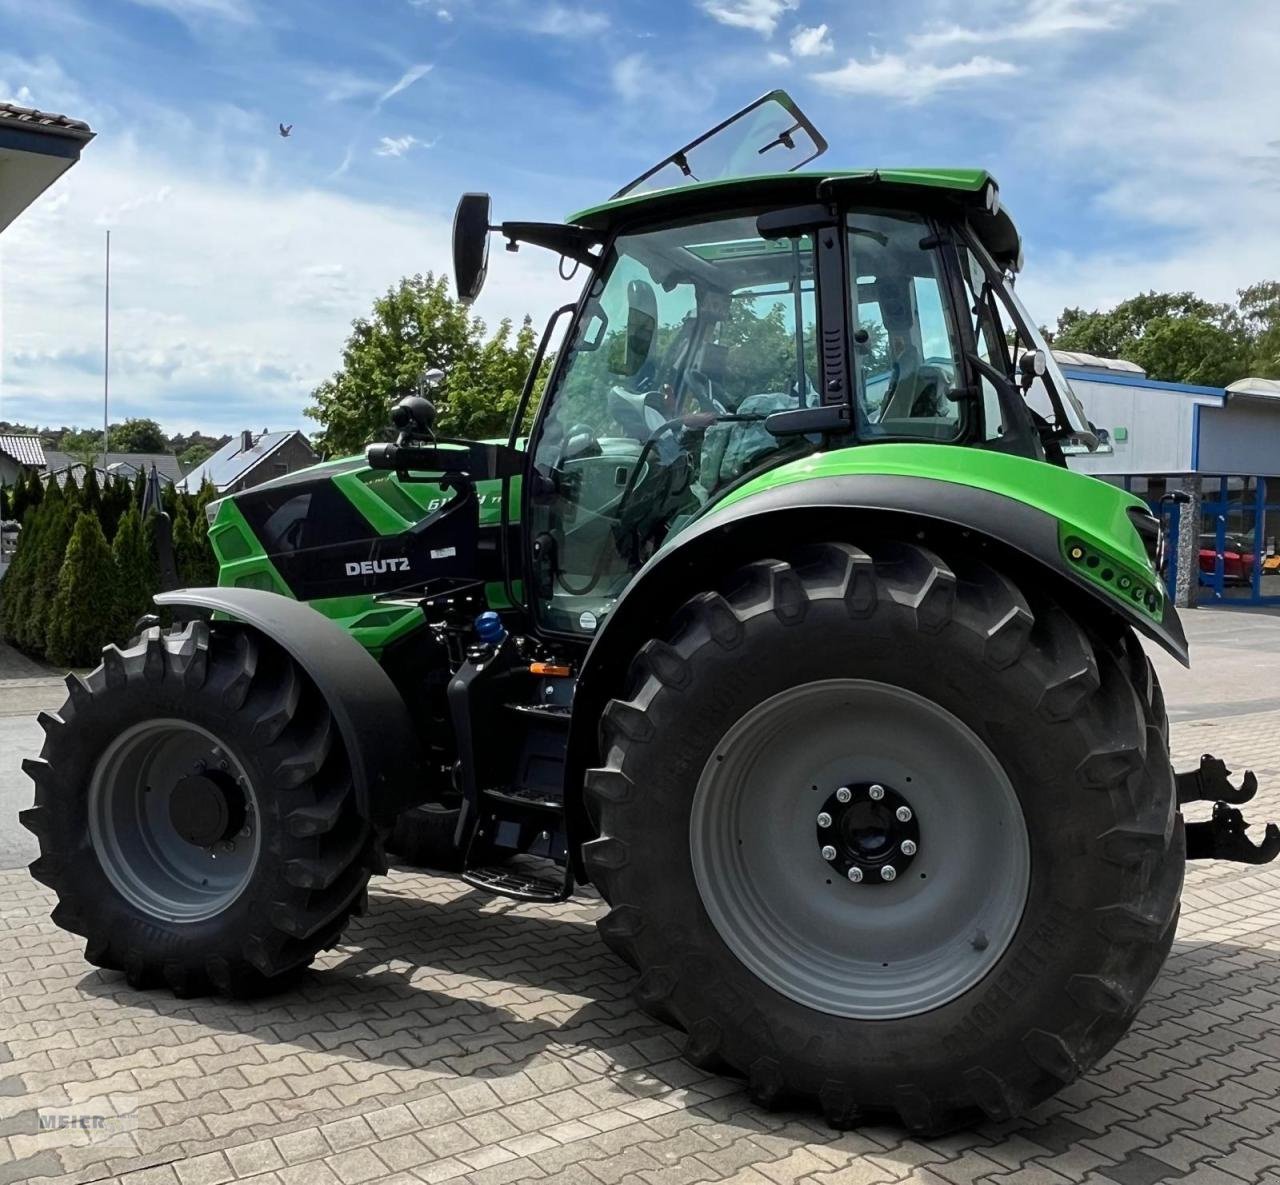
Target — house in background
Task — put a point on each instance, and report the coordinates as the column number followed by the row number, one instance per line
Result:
column 125, row 466
column 248, row 460
column 19, row 454
column 36, row 148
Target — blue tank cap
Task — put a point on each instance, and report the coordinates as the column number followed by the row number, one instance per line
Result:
column 489, row 628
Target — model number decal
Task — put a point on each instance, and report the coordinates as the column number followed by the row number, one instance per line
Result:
column 377, row 567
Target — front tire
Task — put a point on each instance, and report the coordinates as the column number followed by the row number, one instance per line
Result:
column 196, row 815
column 1041, row 894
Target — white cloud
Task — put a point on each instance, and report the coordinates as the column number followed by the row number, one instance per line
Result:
column 774, row 58
column 339, row 86
column 811, row 42
column 399, row 145
column 195, row 11
column 895, row 76
column 405, row 81
column 443, row 14
column 21, row 96
column 761, row 16
column 230, row 300
column 1039, row 20
column 559, row 21
column 632, row 77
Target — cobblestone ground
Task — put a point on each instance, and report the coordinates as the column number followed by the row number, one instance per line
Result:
column 457, row 1037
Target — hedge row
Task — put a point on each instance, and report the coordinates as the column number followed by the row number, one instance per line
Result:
column 68, row 591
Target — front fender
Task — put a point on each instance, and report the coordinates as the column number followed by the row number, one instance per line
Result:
column 386, row 761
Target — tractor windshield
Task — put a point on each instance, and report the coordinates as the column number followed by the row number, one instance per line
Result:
column 772, row 135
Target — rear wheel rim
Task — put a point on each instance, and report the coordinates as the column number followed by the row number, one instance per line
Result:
column 873, row 950
column 131, row 821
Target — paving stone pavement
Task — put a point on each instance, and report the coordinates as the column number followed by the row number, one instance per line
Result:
column 455, row 1037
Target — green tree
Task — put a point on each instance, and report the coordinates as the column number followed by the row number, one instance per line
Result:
column 414, row 327
column 1174, row 336
column 1260, row 312
column 15, row 588
column 193, row 455
column 481, row 400
column 91, row 494
column 137, row 436
column 82, row 444
column 59, row 513
column 83, row 611
column 29, row 494
column 135, row 573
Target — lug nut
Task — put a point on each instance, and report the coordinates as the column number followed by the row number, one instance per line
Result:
column 903, row 814
column 855, row 875
column 876, row 792
column 828, row 852
column 844, row 794
column 907, row 847
column 888, row 873
column 824, row 819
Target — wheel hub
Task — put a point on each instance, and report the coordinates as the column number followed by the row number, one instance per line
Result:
column 868, row 832
column 207, row 808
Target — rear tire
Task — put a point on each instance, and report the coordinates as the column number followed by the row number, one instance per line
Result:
column 701, row 896
column 154, row 903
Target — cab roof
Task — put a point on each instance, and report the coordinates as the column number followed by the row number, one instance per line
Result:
column 965, row 188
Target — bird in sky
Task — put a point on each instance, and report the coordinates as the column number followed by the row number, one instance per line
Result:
column 285, row 129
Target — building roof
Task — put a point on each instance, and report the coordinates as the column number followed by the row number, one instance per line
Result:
column 131, row 464
column 26, row 450
column 1094, row 362
column 45, row 121
column 36, row 148
column 233, row 461
column 1262, row 388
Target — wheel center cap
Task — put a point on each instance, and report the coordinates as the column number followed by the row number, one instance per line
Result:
column 206, row 808
column 868, row 832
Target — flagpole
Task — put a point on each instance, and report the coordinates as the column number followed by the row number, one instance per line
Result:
column 106, row 356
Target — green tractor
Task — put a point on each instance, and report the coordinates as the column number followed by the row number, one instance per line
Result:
column 787, row 628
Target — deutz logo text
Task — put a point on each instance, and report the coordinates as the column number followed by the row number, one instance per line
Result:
column 377, row 567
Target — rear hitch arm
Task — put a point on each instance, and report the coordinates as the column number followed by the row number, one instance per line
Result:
column 1211, row 783
column 1225, row 837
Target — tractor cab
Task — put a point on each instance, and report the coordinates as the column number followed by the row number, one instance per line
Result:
column 727, row 328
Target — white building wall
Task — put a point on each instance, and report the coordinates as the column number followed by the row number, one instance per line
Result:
column 1243, row 437
column 1160, row 426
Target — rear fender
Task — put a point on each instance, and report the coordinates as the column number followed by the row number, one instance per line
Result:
column 386, row 761
column 842, row 507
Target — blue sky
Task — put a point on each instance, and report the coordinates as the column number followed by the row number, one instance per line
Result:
column 1137, row 143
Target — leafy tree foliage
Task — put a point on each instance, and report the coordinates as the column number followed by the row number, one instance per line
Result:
column 135, row 573
column 1260, row 312
column 30, row 608
column 1179, row 337
column 83, row 610
column 137, row 436
column 414, row 327
column 193, row 455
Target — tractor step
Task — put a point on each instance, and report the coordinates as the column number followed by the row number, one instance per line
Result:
column 558, row 715
column 508, row 882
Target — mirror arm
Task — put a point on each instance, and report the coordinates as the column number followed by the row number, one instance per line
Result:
column 573, row 242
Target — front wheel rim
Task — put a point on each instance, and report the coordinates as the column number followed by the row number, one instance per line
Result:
column 881, row 948
column 154, row 867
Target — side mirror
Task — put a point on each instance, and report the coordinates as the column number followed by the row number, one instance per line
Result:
column 1031, row 366
column 471, row 244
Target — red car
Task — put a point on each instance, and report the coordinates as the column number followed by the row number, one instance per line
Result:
column 1237, row 561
